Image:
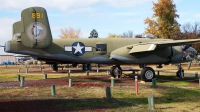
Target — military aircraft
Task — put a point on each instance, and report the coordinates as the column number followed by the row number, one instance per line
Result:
column 32, row 36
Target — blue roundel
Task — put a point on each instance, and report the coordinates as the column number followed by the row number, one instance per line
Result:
column 78, row 48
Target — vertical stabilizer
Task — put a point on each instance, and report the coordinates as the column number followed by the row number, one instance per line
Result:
column 35, row 29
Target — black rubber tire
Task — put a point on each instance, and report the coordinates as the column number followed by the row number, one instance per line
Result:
column 89, row 67
column 147, row 74
column 84, row 67
column 74, row 64
column 115, row 69
column 180, row 73
column 54, row 67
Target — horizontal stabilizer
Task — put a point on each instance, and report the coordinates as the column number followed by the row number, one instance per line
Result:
column 142, row 48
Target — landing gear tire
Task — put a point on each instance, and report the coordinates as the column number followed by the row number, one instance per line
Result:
column 180, row 73
column 147, row 74
column 54, row 67
column 89, row 67
column 74, row 64
column 86, row 67
column 116, row 71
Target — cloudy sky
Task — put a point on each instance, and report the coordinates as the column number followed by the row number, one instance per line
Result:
column 106, row 16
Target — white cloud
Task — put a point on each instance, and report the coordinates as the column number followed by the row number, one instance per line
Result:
column 68, row 5
column 197, row 15
column 5, row 31
column 6, row 28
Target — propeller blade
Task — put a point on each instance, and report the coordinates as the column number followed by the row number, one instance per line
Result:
column 2, row 46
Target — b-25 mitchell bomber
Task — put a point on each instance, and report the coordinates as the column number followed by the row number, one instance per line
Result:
column 32, row 36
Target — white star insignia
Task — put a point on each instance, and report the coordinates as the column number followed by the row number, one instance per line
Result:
column 78, row 48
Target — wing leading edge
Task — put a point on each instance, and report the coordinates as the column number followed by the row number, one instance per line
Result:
column 150, row 46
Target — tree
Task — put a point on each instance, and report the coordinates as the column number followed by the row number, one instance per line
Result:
column 128, row 34
column 93, row 34
column 188, row 31
column 191, row 31
column 70, row 33
column 110, row 35
column 163, row 22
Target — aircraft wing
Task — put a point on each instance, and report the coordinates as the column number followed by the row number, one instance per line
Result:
column 150, row 46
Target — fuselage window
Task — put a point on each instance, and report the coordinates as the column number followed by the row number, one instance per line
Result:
column 101, row 47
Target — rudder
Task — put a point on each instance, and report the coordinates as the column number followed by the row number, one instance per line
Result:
column 35, row 29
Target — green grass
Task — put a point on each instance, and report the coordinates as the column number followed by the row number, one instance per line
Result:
column 180, row 96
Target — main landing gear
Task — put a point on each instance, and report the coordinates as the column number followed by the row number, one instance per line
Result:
column 86, row 67
column 116, row 71
column 54, row 66
column 147, row 73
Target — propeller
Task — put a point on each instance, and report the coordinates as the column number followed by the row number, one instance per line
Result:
column 2, row 46
column 189, row 54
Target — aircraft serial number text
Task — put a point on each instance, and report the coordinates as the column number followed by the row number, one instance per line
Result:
column 37, row 15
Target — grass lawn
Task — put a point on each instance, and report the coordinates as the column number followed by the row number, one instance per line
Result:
column 169, row 96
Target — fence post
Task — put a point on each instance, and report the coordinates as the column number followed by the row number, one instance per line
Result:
column 45, row 76
column 40, row 67
column 70, row 82
column 108, row 72
column 69, row 73
column 154, row 82
column 136, row 85
column 112, row 82
column 97, row 69
column 53, row 90
column 26, row 70
column 22, row 82
column 196, row 75
column 87, row 73
column 199, row 82
column 151, row 101
column 18, row 77
column 108, row 93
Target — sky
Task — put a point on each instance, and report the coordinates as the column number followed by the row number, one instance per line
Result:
column 106, row 16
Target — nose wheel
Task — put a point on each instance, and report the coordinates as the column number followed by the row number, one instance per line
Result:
column 180, row 73
column 116, row 71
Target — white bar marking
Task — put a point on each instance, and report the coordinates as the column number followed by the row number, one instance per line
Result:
column 68, row 48
column 88, row 48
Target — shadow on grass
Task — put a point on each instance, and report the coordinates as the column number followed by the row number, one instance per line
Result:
column 61, row 105
column 169, row 95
